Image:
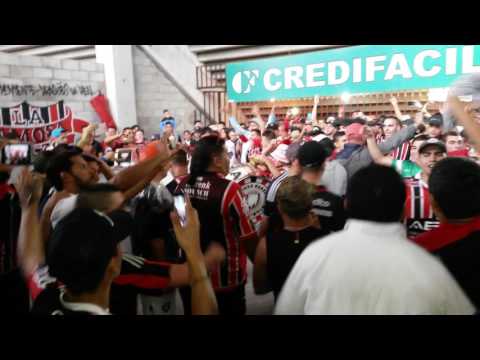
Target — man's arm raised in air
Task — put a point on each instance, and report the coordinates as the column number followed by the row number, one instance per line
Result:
column 376, row 154
column 131, row 176
column 30, row 247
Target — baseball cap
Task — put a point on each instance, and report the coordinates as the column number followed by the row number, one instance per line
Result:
column 328, row 146
column 82, row 245
column 338, row 122
column 408, row 121
column 433, row 142
column 292, row 152
column 280, row 153
column 311, row 154
column 436, row 120
column 354, row 132
column 57, row 132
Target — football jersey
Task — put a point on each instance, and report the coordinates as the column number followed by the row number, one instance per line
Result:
column 223, row 214
column 402, row 152
column 406, row 168
column 419, row 216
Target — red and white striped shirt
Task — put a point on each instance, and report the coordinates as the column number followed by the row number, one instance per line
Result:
column 419, row 216
column 400, row 153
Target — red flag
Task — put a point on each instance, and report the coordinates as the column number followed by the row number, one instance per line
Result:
column 100, row 104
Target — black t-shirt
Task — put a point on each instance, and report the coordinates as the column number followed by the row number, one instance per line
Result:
column 283, row 249
column 460, row 257
column 152, row 218
column 329, row 209
column 326, row 205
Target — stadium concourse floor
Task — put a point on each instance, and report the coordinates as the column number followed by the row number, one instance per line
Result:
column 256, row 304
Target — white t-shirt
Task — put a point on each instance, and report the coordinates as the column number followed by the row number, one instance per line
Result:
column 232, row 153
column 335, row 178
column 370, row 268
column 62, row 209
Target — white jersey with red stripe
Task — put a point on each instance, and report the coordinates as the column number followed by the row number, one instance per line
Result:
column 419, row 216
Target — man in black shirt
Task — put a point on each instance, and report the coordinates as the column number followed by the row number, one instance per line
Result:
column 277, row 253
column 307, row 161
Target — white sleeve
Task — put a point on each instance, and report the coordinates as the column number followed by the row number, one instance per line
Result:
column 245, row 148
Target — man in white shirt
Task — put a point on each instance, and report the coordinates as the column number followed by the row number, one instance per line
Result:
column 371, row 267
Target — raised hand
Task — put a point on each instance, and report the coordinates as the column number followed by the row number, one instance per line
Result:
column 29, row 187
column 368, row 132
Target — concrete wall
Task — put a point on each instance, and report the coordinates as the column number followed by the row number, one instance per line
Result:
column 118, row 68
column 154, row 93
column 22, row 79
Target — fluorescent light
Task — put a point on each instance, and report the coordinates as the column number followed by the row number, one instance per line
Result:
column 346, row 97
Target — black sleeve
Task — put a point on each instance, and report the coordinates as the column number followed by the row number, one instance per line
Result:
column 339, row 213
column 330, row 211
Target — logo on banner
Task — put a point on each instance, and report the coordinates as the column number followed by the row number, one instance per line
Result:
column 244, row 81
column 354, row 70
column 34, row 124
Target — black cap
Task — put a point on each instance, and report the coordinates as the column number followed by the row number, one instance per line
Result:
column 339, row 122
column 328, row 146
column 311, row 154
column 436, row 120
column 82, row 245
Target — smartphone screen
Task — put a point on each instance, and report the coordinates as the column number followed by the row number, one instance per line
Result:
column 180, row 206
column 17, row 154
column 124, row 157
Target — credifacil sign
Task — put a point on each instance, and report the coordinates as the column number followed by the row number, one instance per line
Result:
column 355, row 69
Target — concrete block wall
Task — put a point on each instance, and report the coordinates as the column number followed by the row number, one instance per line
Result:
column 154, row 93
column 86, row 77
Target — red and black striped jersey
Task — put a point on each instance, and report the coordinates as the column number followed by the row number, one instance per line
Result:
column 144, row 276
column 223, row 215
column 419, row 216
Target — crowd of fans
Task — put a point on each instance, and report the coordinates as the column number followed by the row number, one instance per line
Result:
column 362, row 215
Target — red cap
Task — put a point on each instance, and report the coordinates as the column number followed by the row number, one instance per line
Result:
column 354, row 132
